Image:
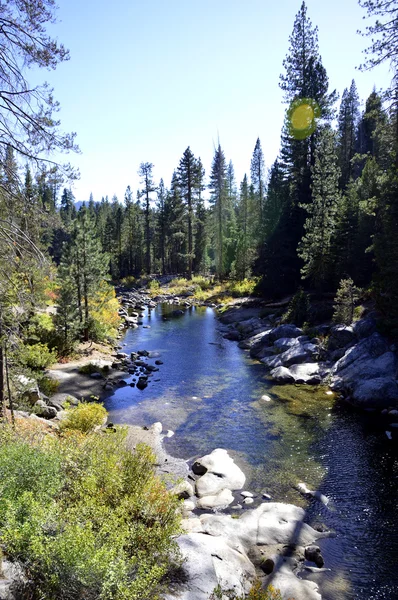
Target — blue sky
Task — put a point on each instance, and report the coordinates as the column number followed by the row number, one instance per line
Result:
column 148, row 78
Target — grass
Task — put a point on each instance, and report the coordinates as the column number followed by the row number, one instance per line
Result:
column 206, row 289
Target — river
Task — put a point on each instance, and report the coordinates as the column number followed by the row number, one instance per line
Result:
column 209, row 392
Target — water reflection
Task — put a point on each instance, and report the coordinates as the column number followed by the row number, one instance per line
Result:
column 209, row 392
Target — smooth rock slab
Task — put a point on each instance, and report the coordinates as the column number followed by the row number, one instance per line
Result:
column 225, row 473
column 220, row 500
column 209, row 562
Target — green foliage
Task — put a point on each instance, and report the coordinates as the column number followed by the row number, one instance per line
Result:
column 48, row 385
column 86, row 518
column 41, row 328
column 84, row 417
column 128, row 282
column 240, row 289
column 89, row 369
column 315, row 246
column 36, row 356
column 298, row 311
column 344, row 302
column 154, row 286
column 257, row 592
column 203, row 282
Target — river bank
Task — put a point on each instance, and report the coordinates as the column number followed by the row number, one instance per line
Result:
column 189, row 345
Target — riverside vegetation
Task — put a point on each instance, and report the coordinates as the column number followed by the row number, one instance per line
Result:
column 324, row 218
column 85, row 517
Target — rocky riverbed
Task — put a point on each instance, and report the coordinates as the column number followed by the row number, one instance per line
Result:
column 345, row 358
column 355, row 360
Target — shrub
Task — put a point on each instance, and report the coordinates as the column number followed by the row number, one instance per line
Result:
column 298, row 311
column 129, row 281
column 239, row 289
column 255, row 593
column 104, row 316
column 202, row 282
column 89, row 369
column 84, row 417
column 36, row 356
column 48, row 386
column 85, row 517
column 344, row 302
column 41, row 328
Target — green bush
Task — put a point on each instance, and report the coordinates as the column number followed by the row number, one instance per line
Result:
column 344, row 302
column 298, row 311
column 48, row 386
column 255, row 593
column 89, row 369
column 154, row 285
column 86, row 518
column 41, row 328
column 36, row 356
column 239, row 289
column 129, row 281
column 84, row 417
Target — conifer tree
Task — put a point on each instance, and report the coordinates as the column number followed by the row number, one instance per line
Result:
column 133, row 234
column 218, row 199
column 162, row 209
column 315, row 246
column 177, row 227
column 145, row 172
column 347, row 132
column 88, row 265
column 304, row 78
column 190, row 181
column 257, row 173
column 384, row 48
column 244, row 258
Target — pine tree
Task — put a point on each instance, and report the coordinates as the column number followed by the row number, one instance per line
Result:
column 277, row 197
column 162, row 209
column 190, row 181
column 88, row 264
column 177, row 228
column 199, row 263
column 384, row 48
column 347, row 132
column 218, row 199
column 244, row 256
column 315, row 246
column 145, row 172
column 68, row 208
column 133, row 234
column 305, row 79
column 257, row 172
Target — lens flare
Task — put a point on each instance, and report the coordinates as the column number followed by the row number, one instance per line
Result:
column 302, row 117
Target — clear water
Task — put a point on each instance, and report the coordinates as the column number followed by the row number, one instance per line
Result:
column 208, row 391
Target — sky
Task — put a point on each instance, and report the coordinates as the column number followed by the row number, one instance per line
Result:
column 148, row 78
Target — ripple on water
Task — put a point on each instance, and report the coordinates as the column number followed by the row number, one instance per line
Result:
column 209, row 392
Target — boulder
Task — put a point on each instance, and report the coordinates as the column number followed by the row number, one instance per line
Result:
column 285, row 331
column 364, row 327
column 379, row 392
column 64, row 399
column 367, row 374
column 282, row 375
column 208, row 562
column 217, row 500
column 272, row 335
column 221, row 467
column 308, row 373
column 341, row 336
column 28, row 388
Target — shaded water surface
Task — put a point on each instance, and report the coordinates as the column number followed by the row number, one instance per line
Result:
column 209, row 392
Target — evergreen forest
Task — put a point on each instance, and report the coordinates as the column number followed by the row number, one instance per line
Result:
column 319, row 223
